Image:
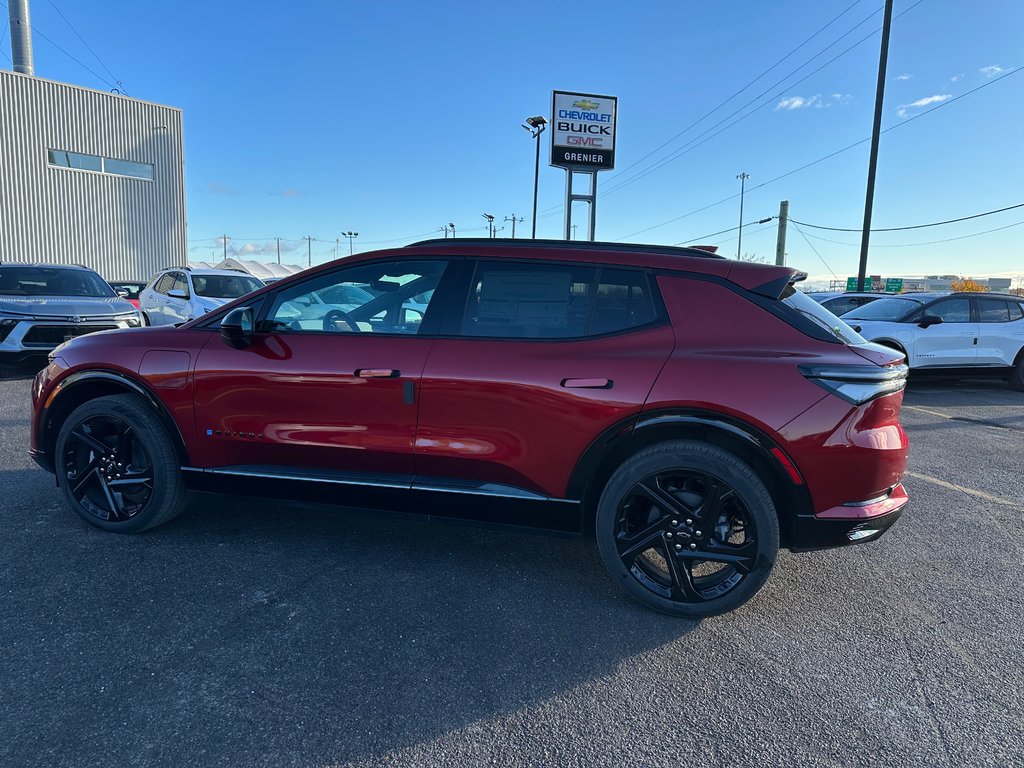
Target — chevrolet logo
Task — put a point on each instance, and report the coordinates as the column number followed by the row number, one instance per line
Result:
column 75, row 319
column 585, row 104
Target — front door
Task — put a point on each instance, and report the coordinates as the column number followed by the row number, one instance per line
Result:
column 952, row 342
column 329, row 383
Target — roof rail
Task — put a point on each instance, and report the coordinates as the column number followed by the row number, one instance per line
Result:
column 582, row 245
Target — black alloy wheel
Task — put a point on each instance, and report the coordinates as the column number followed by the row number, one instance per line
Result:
column 688, row 528
column 117, row 466
column 686, row 535
column 107, row 468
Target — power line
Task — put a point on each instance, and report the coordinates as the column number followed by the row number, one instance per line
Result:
column 915, row 226
column 913, row 245
column 723, row 231
column 112, row 75
column 811, row 245
column 741, row 90
column 37, row 31
column 691, row 145
column 828, row 156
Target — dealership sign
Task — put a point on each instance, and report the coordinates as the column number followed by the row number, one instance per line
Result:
column 583, row 131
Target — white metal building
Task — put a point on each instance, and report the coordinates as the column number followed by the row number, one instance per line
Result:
column 89, row 177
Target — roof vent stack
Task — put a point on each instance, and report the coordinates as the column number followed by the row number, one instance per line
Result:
column 21, row 37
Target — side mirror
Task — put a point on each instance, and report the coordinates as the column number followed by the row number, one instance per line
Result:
column 927, row 320
column 236, row 328
column 122, row 293
column 177, row 293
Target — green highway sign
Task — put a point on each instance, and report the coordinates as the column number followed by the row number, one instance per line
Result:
column 851, row 283
column 893, row 284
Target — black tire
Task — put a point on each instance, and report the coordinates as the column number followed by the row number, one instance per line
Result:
column 1017, row 377
column 659, row 495
column 117, row 466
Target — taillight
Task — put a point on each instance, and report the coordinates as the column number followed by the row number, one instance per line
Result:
column 857, row 384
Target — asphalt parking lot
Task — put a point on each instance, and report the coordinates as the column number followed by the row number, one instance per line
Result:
column 255, row 633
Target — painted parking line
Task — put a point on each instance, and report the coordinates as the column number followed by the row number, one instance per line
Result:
column 962, row 489
column 926, row 410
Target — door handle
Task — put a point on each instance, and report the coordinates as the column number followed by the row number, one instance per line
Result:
column 378, row 373
column 587, row 383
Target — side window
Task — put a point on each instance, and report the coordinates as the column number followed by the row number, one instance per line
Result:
column 623, row 301
column 1016, row 310
column 164, row 283
column 378, row 297
column 529, row 301
column 951, row 310
column 181, row 283
column 840, row 306
column 993, row 311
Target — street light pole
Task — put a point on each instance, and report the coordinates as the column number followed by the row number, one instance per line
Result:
column 351, row 236
column 535, row 125
column 452, row 225
column 490, row 225
column 743, row 185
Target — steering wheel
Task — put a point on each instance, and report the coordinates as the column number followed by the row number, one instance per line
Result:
column 332, row 317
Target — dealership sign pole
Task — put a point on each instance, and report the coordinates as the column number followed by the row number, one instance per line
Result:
column 582, row 141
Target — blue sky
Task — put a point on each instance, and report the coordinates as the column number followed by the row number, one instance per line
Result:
column 394, row 118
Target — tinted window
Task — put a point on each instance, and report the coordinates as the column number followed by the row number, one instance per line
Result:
column 380, row 297
column 180, row 283
column 52, row 281
column 132, row 289
column 884, row 309
column 951, row 310
column 623, row 301
column 164, row 283
column 819, row 315
column 224, row 286
column 841, row 305
column 993, row 311
column 1016, row 311
column 528, row 301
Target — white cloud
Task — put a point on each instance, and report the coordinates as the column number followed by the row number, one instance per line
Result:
column 290, row 192
column 955, row 78
column 992, row 71
column 936, row 99
column 816, row 101
column 216, row 188
column 904, row 76
column 901, row 112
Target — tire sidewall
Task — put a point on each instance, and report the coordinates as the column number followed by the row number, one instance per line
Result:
column 715, row 461
column 167, row 481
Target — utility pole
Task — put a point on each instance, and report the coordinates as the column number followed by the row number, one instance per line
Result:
column 513, row 220
column 337, row 245
column 743, row 185
column 883, row 59
column 452, row 225
column 309, row 250
column 573, row 231
column 225, row 247
column 278, row 249
column 490, row 224
column 780, row 245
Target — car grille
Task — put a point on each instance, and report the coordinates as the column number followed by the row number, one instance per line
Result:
column 52, row 335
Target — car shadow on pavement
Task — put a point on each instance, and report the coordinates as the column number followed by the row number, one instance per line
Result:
column 961, row 393
column 249, row 631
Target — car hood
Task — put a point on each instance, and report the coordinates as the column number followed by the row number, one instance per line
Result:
column 65, row 307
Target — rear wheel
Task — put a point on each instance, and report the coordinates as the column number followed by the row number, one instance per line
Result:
column 118, row 468
column 687, row 528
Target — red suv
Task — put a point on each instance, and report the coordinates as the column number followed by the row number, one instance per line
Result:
column 693, row 413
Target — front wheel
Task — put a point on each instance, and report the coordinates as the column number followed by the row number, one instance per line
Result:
column 687, row 528
column 1017, row 376
column 117, row 466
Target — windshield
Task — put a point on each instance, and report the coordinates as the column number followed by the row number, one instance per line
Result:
column 52, row 281
column 224, row 286
column 884, row 309
column 812, row 310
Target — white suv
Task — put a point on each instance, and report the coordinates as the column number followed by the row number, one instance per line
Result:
column 963, row 334
column 178, row 295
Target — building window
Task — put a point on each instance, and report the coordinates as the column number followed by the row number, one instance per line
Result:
column 60, row 158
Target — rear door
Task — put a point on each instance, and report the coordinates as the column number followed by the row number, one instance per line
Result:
column 951, row 343
column 1000, row 330
column 178, row 310
column 535, row 362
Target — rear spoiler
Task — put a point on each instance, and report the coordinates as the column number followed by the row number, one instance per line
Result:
column 774, row 289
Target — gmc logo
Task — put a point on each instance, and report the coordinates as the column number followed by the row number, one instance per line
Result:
column 584, row 141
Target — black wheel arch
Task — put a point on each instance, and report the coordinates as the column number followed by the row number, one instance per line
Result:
column 745, row 441
column 82, row 386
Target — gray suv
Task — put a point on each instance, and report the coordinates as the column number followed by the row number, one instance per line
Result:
column 44, row 305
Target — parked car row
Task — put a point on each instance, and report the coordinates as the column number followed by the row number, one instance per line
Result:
column 44, row 305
